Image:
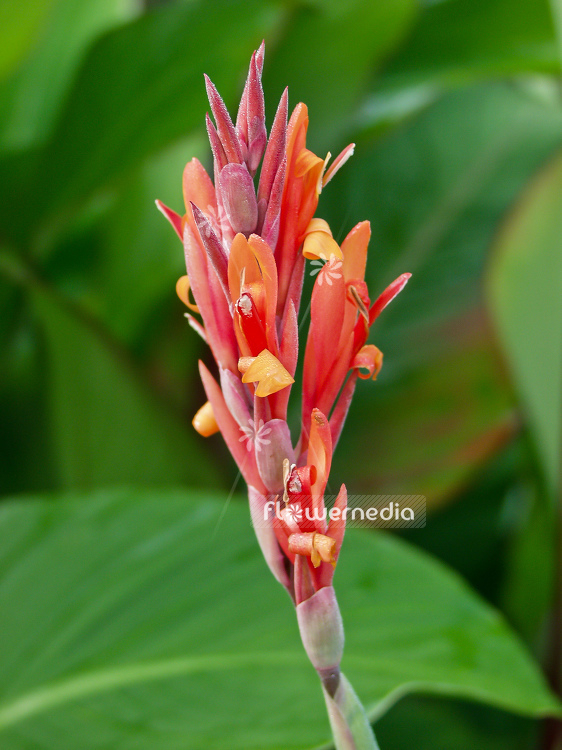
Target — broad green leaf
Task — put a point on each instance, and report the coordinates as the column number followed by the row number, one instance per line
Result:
column 148, row 619
column 435, row 192
column 30, row 99
column 107, row 426
column 525, row 297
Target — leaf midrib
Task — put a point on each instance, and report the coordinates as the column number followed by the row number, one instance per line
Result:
column 99, row 681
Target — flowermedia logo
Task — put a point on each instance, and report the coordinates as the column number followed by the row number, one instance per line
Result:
column 363, row 511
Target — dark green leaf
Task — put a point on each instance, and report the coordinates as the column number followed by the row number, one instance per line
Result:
column 107, row 426
column 328, row 55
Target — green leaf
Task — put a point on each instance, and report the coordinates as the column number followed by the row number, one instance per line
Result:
column 148, row 619
column 456, row 41
column 525, row 297
column 20, row 24
column 142, row 256
column 40, row 83
column 454, row 724
column 107, row 426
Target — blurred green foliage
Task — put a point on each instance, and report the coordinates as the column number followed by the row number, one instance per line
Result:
column 456, row 109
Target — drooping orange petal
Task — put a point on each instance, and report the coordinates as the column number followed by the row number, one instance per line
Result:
column 268, row 372
column 318, row 225
column 368, row 362
column 320, row 245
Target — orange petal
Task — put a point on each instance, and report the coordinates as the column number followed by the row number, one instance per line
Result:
column 319, row 450
column 320, row 245
column 354, row 249
column 306, row 161
column 242, row 266
column 318, row 225
column 268, row 372
column 182, row 289
column 319, row 547
column 368, row 362
column 204, row 421
column 325, row 546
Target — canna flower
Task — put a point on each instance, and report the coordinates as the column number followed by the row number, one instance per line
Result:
column 246, row 241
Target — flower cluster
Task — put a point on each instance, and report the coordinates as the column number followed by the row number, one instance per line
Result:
column 246, row 241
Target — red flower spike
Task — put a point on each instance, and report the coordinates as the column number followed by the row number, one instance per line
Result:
column 245, row 258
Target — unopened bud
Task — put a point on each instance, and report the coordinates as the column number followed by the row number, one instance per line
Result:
column 239, row 198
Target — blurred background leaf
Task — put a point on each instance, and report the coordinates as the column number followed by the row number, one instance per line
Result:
column 524, row 291
column 41, row 82
column 129, row 660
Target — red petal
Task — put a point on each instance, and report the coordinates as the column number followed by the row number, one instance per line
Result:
column 387, row 296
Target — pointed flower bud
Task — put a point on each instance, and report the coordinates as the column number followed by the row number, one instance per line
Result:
column 321, row 629
column 239, row 198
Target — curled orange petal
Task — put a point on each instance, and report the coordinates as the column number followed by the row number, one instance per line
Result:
column 306, row 160
column 368, row 362
column 320, row 245
column 182, row 289
column 318, row 225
